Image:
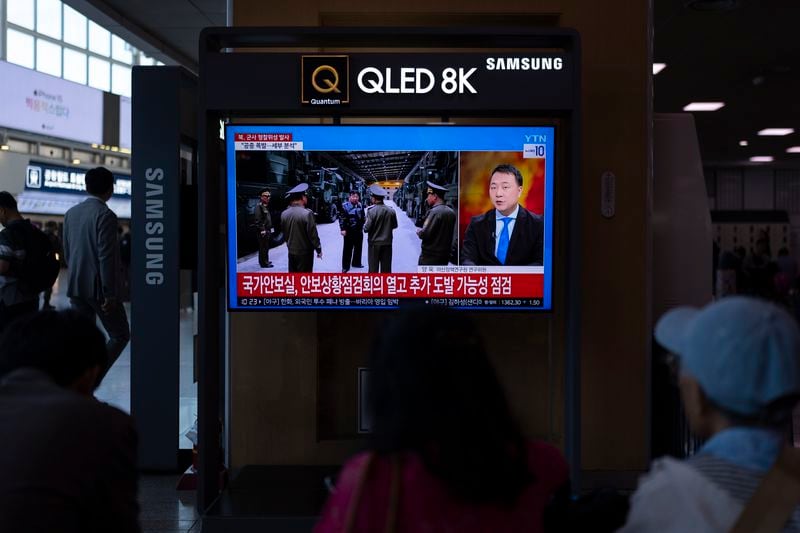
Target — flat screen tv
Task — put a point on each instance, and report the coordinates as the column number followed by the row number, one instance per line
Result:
column 473, row 208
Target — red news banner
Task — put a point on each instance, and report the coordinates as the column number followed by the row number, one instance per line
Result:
column 254, row 284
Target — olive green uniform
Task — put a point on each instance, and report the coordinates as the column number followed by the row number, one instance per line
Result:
column 437, row 236
column 302, row 239
column 381, row 222
column 263, row 222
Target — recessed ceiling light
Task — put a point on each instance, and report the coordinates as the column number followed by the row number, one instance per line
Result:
column 793, row 150
column 704, row 106
column 658, row 67
column 762, row 159
column 76, row 161
column 743, row 143
column 776, row 131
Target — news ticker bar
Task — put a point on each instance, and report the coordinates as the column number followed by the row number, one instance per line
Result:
column 389, row 286
column 388, row 303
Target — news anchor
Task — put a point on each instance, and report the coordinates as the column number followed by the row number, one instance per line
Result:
column 509, row 234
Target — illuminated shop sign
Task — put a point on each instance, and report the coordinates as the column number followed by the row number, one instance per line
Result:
column 38, row 103
column 44, row 177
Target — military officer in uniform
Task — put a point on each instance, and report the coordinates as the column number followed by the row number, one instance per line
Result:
column 437, row 230
column 381, row 222
column 263, row 223
column 298, row 224
column 351, row 224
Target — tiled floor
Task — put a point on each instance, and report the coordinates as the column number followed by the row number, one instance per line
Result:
column 163, row 509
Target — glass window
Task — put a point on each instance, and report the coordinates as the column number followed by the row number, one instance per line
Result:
column 99, row 74
column 121, row 80
column 120, row 50
column 99, row 41
column 19, row 48
column 74, row 66
column 74, row 27
column 48, row 18
column 20, row 12
column 48, row 57
column 146, row 60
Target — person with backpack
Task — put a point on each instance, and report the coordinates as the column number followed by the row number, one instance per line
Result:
column 27, row 263
column 91, row 250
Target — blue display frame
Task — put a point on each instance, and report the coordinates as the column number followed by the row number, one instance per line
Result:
column 364, row 137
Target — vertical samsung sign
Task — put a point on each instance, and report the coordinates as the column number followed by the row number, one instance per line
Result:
column 155, row 274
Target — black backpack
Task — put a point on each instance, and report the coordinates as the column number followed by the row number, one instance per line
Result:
column 40, row 268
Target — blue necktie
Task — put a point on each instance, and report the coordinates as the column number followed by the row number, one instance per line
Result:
column 502, row 245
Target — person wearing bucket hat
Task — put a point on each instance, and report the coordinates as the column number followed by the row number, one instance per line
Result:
column 739, row 379
column 381, row 222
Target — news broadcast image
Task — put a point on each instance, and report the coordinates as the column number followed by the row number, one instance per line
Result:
column 447, row 222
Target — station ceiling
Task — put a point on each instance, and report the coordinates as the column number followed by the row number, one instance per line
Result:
column 740, row 52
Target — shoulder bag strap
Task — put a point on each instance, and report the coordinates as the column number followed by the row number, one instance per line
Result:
column 776, row 497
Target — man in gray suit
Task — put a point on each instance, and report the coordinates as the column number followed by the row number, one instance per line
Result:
column 91, row 250
column 68, row 461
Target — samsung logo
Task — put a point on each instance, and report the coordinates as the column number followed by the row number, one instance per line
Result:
column 524, row 63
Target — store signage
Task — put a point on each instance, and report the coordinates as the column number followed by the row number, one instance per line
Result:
column 37, row 103
column 327, row 79
column 124, row 122
column 52, row 178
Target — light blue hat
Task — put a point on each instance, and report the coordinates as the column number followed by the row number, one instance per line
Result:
column 743, row 351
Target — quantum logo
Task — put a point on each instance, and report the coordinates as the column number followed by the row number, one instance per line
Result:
column 326, row 80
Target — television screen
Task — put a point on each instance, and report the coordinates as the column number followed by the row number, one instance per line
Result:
column 362, row 216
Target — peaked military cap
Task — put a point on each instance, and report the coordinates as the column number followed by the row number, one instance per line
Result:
column 299, row 189
column 377, row 190
column 438, row 190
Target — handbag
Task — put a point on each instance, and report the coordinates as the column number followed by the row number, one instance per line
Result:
column 394, row 495
column 776, row 497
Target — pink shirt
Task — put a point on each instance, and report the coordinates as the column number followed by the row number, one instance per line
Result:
column 425, row 504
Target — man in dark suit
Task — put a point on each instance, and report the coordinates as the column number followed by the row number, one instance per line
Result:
column 509, row 234
column 68, row 461
column 91, row 250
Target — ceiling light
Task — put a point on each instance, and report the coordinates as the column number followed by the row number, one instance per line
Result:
column 776, row 131
column 793, row 150
column 76, row 161
column 4, row 147
column 658, row 67
column 762, row 159
column 704, row 106
column 743, row 143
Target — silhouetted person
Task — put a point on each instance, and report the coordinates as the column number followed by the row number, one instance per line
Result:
column 68, row 461
column 91, row 249
column 51, row 230
column 445, row 453
column 16, row 299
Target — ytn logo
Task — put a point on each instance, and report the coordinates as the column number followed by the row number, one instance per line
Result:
column 34, row 178
column 326, row 80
